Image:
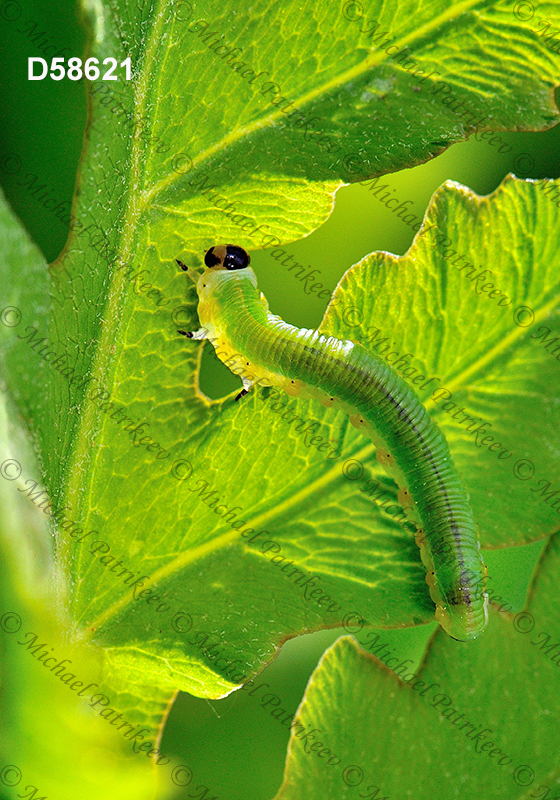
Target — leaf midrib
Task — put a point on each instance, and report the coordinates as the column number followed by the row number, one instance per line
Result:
column 101, row 364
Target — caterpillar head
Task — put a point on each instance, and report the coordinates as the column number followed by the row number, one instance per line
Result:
column 227, row 256
column 224, row 263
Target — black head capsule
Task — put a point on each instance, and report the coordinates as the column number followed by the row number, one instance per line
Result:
column 229, row 256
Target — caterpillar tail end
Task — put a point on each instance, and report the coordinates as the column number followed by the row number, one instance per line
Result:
column 461, row 622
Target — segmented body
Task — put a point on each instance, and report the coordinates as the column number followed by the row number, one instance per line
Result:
column 380, row 404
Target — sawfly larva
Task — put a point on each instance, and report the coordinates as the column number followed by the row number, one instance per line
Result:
column 234, row 315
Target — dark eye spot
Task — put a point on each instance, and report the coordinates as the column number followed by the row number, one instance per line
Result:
column 236, row 257
column 211, row 259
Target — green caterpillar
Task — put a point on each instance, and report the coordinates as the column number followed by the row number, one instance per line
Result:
column 343, row 374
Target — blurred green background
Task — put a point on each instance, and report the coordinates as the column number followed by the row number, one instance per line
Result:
column 235, row 746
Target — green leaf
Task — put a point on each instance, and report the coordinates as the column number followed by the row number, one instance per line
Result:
column 420, row 740
column 138, row 204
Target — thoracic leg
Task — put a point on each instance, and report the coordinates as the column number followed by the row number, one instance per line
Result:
column 201, row 333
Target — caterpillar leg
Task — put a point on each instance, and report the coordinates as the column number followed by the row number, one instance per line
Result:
column 247, row 386
column 201, row 333
column 190, row 275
